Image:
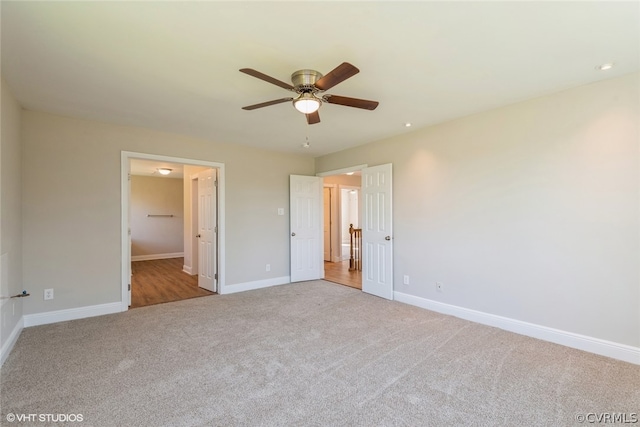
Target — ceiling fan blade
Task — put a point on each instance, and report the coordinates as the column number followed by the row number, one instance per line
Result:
column 266, row 104
column 261, row 76
column 339, row 74
column 313, row 118
column 351, row 102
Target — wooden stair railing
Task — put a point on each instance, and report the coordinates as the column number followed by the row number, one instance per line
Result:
column 355, row 258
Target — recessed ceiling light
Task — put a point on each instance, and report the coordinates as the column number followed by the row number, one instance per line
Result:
column 348, row 173
column 605, row 67
column 407, row 125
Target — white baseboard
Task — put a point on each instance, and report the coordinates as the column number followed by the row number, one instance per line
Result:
column 258, row 284
column 71, row 314
column 187, row 269
column 611, row 349
column 11, row 341
column 157, row 256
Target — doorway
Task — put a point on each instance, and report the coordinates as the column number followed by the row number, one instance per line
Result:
column 168, row 264
column 186, row 264
column 376, row 231
column 342, row 215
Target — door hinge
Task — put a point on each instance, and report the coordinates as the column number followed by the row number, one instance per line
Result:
column 215, row 276
column 215, row 229
column 129, row 286
column 215, row 182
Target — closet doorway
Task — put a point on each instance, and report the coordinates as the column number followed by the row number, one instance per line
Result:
column 162, row 260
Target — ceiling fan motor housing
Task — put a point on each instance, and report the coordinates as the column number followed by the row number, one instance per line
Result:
column 305, row 80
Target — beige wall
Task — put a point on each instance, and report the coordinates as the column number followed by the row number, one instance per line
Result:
column 71, row 206
column 530, row 212
column 156, row 235
column 10, row 217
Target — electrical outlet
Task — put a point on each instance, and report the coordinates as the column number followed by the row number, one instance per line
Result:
column 48, row 294
column 406, row 279
column 439, row 286
column 268, row 267
column 280, row 211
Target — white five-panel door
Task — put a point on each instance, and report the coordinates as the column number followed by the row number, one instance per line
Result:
column 305, row 210
column 207, row 229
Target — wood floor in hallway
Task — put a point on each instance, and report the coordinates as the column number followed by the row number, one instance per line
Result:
column 338, row 272
column 162, row 280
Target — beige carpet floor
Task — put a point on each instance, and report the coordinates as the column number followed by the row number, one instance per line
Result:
column 305, row 354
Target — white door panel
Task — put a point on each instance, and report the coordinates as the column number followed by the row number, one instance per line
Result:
column 377, row 243
column 130, row 266
column 207, row 230
column 306, row 228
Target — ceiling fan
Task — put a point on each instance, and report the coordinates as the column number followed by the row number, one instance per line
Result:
column 310, row 85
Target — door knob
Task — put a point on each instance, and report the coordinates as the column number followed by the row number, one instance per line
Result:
column 198, row 236
column 293, row 234
column 387, row 238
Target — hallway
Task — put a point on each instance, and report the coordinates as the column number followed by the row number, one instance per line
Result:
column 338, row 272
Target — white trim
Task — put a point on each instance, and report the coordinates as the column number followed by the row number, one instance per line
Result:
column 355, row 168
column 258, row 284
column 125, row 156
column 348, row 187
column 333, row 208
column 157, row 256
column 71, row 314
column 11, row 341
column 187, row 269
column 602, row 347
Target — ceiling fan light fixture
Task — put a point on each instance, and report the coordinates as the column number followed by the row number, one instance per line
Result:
column 307, row 103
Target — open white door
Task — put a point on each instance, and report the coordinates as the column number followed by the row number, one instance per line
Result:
column 377, row 243
column 305, row 206
column 207, row 230
column 129, row 265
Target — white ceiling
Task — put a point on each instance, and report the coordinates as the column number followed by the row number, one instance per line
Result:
column 150, row 168
column 173, row 66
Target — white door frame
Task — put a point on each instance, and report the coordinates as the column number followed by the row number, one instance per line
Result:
column 340, row 220
column 125, row 158
column 333, row 210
